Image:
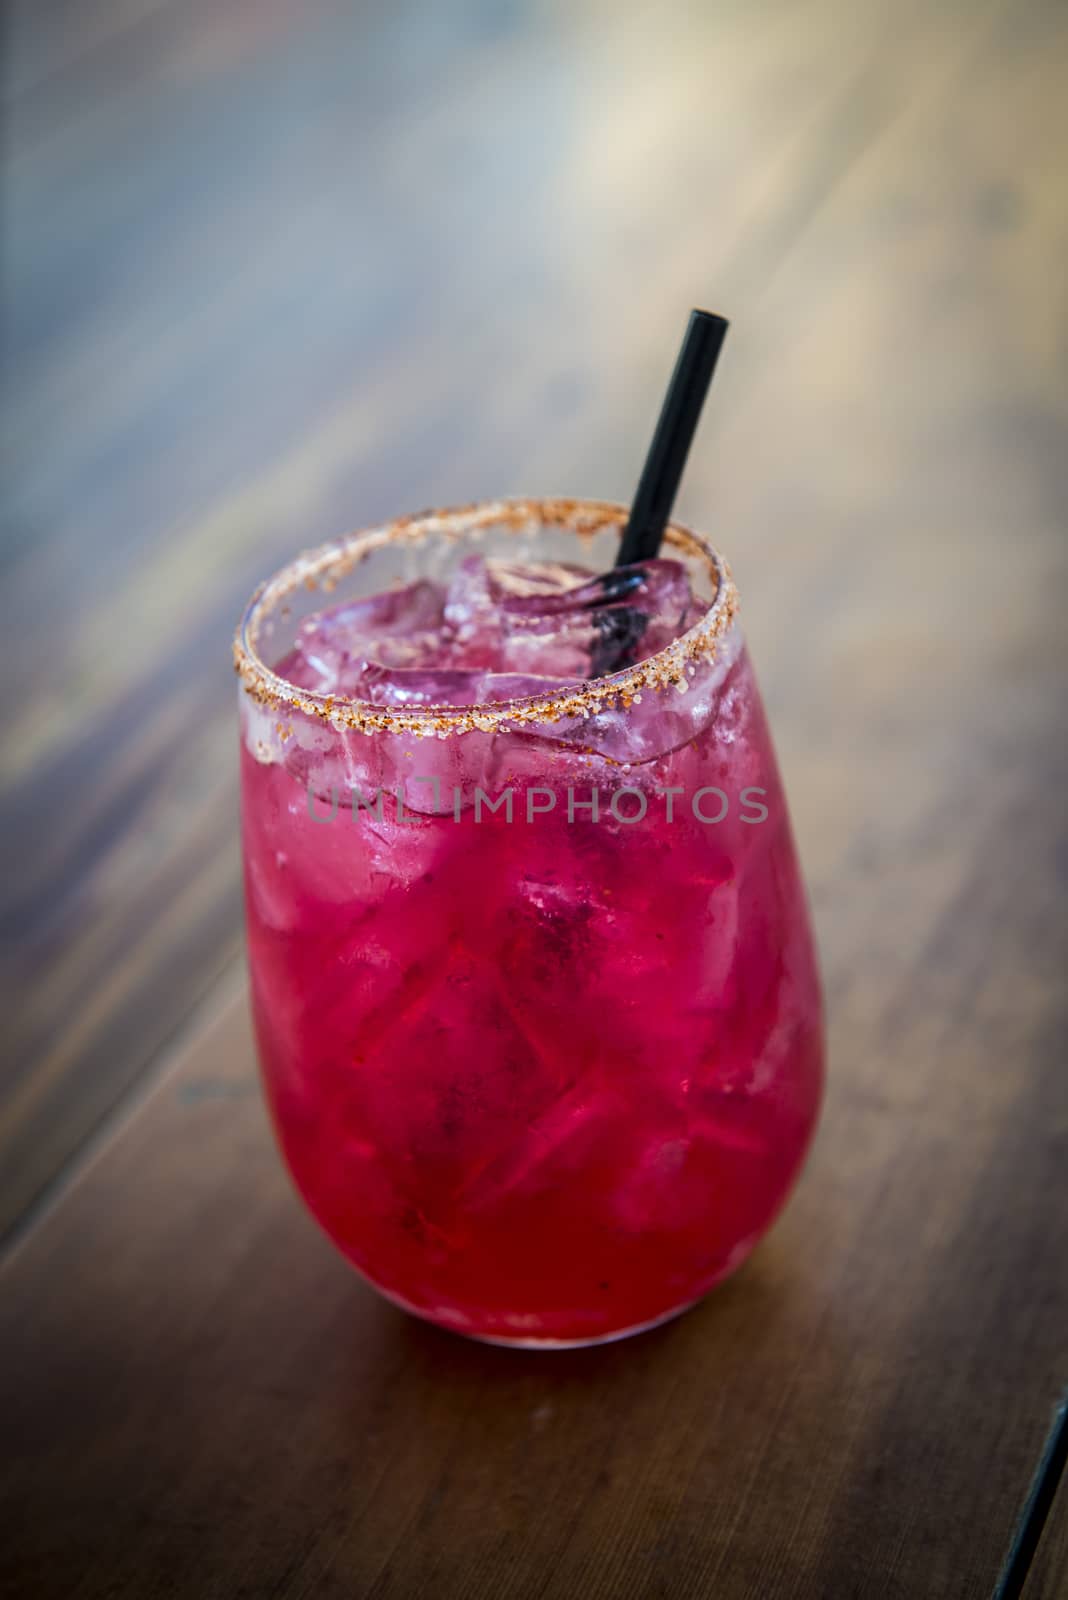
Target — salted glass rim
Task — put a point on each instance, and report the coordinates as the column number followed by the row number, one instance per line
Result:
column 323, row 567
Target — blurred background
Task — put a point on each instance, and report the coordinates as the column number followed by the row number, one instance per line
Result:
column 275, row 270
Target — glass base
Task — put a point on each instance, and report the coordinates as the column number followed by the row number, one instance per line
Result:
column 577, row 1344
column 522, row 1342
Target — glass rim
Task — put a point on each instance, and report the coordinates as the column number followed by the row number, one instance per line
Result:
column 324, row 566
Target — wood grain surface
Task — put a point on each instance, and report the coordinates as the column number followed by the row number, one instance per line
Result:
column 276, row 270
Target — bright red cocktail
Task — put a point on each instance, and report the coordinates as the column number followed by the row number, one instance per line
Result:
column 544, row 1075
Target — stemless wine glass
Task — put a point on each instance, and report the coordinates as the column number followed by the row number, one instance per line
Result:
column 533, row 981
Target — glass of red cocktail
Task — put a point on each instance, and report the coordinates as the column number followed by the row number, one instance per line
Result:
column 532, row 974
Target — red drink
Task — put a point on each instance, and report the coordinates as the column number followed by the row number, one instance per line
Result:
column 546, row 1078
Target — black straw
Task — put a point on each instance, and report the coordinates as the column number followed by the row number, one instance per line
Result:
column 1036, row 1508
column 664, row 464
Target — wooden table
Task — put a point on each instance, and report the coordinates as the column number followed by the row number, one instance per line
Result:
column 278, row 269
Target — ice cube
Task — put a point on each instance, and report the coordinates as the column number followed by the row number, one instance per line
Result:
column 332, row 647
column 537, row 1155
column 423, row 686
column 513, row 582
column 669, row 1183
column 614, row 619
column 448, row 1079
column 395, row 613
